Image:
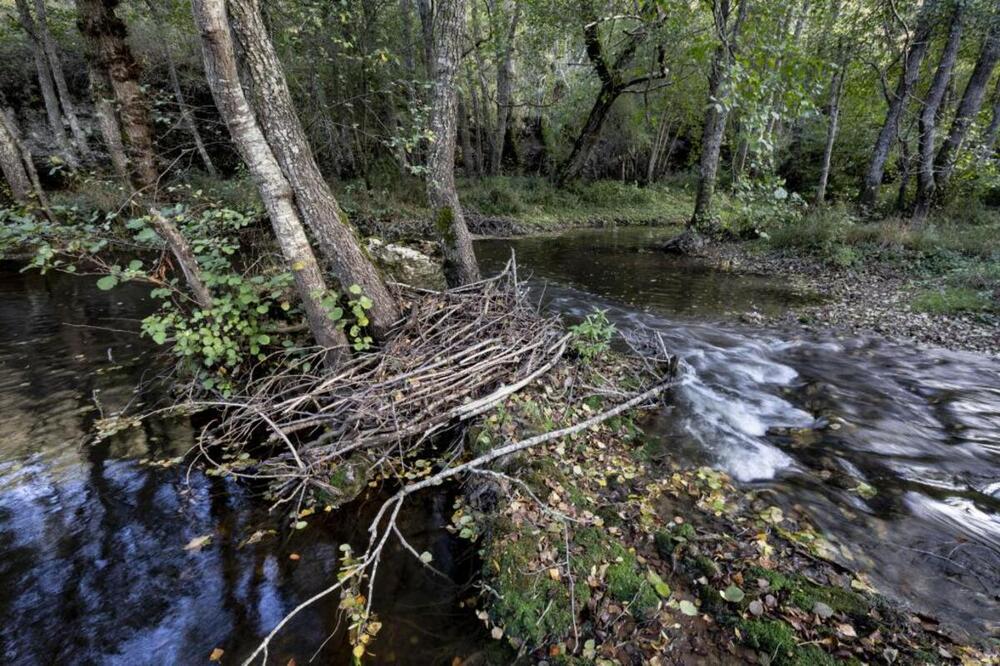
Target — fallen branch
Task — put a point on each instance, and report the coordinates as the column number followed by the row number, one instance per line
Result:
column 392, row 506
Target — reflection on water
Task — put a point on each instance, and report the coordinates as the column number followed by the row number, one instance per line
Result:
column 813, row 418
column 93, row 566
column 620, row 264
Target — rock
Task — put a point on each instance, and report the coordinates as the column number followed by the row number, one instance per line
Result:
column 404, row 264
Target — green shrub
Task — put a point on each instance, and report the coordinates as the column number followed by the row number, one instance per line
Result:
column 591, row 338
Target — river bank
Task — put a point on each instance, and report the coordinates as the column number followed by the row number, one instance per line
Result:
column 876, row 299
column 609, row 550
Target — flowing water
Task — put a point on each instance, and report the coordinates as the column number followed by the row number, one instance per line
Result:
column 93, row 564
column 824, row 421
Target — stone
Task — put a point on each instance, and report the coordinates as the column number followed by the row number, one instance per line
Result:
column 406, row 265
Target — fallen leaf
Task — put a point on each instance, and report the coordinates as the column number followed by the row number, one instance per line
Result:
column 756, row 607
column 733, row 594
column 846, row 630
column 688, row 608
column 198, row 543
column 496, row 633
column 295, row 557
column 216, row 654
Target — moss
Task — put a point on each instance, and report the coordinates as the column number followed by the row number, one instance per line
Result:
column 528, row 607
column 444, row 223
column 804, row 594
column 777, row 639
column 625, row 580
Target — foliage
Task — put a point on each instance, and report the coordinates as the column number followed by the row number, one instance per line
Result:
column 254, row 317
column 591, row 338
column 759, row 206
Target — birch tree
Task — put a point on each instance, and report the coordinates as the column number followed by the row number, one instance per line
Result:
column 275, row 191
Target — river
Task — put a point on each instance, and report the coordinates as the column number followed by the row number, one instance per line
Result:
column 93, row 560
column 812, row 417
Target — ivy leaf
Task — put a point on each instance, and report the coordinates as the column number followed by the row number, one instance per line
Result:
column 107, row 283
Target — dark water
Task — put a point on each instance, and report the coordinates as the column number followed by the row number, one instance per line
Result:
column 93, row 566
column 811, row 417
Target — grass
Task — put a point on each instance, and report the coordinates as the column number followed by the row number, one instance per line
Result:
column 955, row 254
column 536, row 203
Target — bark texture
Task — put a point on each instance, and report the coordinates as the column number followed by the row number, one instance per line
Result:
column 929, row 115
column 182, row 252
column 717, row 110
column 45, row 84
column 460, row 265
column 972, row 102
column 105, row 34
column 107, row 121
column 505, row 87
column 287, row 141
column 914, row 55
column 833, row 124
column 10, row 162
column 221, row 71
column 59, row 78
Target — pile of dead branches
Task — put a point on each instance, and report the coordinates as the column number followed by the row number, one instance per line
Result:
column 455, row 356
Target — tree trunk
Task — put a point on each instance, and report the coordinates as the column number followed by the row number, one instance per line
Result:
column 659, row 143
column 426, row 13
column 223, row 78
column 907, row 79
column 317, row 206
column 52, row 53
column 613, row 85
column 836, row 90
column 505, row 84
column 993, row 130
column 585, row 141
column 107, row 121
column 11, row 164
column 904, row 174
column 711, row 141
column 45, row 84
column 106, row 35
column 187, row 118
column 968, row 108
column 716, row 112
column 468, row 159
column 182, row 252
column 459, row 259
column 929, row 115
column 27, row 165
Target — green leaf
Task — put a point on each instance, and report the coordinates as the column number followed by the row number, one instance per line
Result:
column 733, row 594
column 355, row 289
column 426, row 557
column 688, row 608
column 107, row 282
column 658, row 584
column 134, row 265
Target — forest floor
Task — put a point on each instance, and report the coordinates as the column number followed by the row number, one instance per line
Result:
column 609, row 552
